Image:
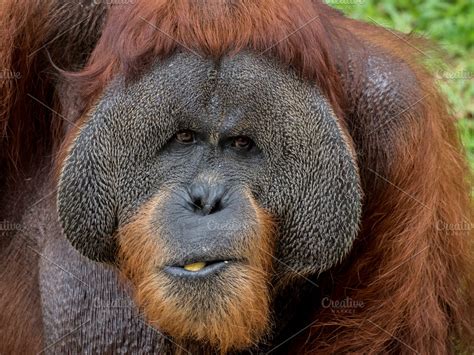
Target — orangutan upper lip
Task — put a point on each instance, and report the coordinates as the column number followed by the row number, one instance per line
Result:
column 198, row 268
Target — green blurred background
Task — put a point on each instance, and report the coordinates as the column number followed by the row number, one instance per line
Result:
column 450, row 24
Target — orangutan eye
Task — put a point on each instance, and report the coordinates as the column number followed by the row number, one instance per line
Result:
column 242, row 143
column 185, row 137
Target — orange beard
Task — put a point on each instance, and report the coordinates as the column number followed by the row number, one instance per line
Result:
column 229, row 311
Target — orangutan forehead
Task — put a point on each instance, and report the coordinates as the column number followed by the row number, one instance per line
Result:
column 233, row 92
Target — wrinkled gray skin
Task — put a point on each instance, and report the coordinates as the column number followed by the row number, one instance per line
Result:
column 303, row 174
column 302, row 170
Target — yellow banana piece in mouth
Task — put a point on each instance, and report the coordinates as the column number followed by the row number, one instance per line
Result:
column 195, row 266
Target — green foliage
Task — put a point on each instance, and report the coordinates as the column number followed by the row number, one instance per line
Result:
column 466, row 127
column 451, row 25
column 449, row 22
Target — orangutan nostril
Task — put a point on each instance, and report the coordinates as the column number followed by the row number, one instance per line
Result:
column 205, row 199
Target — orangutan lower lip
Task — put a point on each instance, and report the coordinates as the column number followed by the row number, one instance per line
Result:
column 197, row 269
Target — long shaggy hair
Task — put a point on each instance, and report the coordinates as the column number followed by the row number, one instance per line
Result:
column 410, row 266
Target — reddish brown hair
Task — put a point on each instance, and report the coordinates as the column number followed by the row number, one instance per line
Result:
column 412, row 275
column 26, row 128
column 297, row 34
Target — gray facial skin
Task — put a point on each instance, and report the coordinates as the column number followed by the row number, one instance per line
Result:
column 301, row 169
